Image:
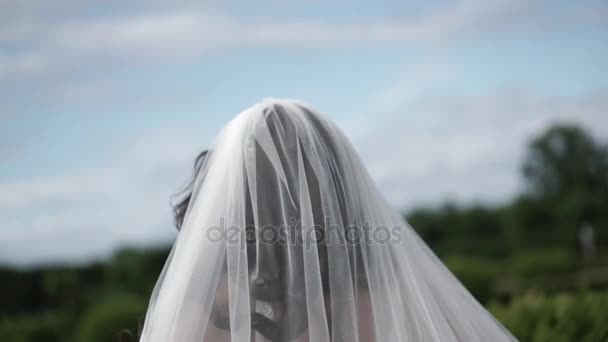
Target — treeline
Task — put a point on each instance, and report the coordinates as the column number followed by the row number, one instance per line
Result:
column 540, row 263
column 97, row 302
column 552, row 238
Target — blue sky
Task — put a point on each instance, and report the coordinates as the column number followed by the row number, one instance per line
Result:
column 103, row 105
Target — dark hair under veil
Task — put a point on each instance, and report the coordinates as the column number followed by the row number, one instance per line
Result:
column 272, row 286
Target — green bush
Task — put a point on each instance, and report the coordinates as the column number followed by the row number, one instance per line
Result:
column 539, row 262
column 46, row 327
column 477, row 275
column 134, row 270
column 563, row 317
column 105, row 320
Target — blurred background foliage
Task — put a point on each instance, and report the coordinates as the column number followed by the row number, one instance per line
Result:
column 539, row 263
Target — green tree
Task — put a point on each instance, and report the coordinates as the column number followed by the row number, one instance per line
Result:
column 563, row 160
column 566, row 172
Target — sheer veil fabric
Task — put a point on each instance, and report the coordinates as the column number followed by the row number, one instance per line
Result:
column 286, row 238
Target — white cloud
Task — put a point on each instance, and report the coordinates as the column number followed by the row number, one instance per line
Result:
column 467, row 148
column 423, row 149
column 25, row 64
column 88, row 213
column 153, row 36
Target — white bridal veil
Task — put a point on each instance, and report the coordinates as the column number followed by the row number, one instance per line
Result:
column 286, row 238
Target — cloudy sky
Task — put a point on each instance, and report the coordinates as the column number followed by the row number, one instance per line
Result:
column 103, row 105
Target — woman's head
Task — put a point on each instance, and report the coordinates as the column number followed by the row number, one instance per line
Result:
column 283, row 236
column 282, row 194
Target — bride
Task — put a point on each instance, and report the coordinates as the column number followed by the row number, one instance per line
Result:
column 284, row 237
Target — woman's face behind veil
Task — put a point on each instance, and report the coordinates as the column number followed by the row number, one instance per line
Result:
column 274, row 228
column 274, row 258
